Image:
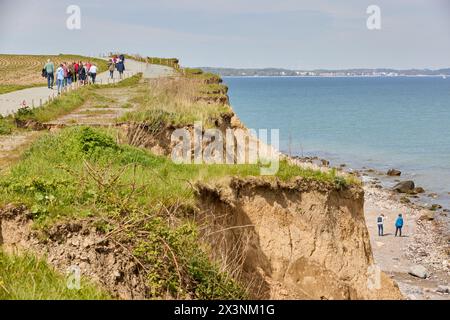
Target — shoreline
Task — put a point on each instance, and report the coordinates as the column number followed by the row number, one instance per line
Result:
column 423, row 243
column 368, row 76
column 425, row 240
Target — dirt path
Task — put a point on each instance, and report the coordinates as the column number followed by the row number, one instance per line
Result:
column 418, row 245
column 95, row 113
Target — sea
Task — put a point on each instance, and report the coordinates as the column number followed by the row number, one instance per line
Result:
column 362, row 122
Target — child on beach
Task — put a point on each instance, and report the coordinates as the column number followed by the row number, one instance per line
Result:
column 399, row 225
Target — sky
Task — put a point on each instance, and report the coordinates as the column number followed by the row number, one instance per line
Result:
column 293, row 34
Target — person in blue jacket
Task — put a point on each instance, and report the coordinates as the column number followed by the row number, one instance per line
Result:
column 399, row 225
column 120, row 66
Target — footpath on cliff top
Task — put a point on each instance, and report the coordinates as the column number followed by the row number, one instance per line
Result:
column 11, row 102
column 11, row 145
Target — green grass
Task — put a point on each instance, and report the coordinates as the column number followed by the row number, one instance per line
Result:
column 7, row 125
column 52, row 177
column 82, row 172
column 174, row 102
column 170, row 62
column 58, row 107
column 198, row 74
column 128, row 82
column 6, row 88
column 26, row 277
column 74, row 100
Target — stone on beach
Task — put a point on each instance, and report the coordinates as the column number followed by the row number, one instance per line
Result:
column 394, row 173
column 419, row 190
column 418, row 271
column 435, row 207
column 443, row 289
column 404, row 186
column 428, row 216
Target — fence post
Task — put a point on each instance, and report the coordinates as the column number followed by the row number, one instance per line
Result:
column 40, row 102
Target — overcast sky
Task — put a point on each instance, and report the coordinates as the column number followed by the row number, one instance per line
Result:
column 238, row 33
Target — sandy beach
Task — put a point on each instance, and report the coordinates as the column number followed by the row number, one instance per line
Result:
column 422, row 243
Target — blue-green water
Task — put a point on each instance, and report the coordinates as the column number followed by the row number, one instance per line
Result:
column 401, row 122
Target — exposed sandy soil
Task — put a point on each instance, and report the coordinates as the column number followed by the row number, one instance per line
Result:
column 11, row 146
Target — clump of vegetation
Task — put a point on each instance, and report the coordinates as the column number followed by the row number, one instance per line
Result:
column 174, row 102
column 206, row 77
column 26, row 277
column 169, row 62
column 178, row 264
column 6, row 125
column 128, row 82
column 56, row 108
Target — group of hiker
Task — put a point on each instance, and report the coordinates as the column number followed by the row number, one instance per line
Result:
column 68, row 73
column 398, row 225
column 116, row 62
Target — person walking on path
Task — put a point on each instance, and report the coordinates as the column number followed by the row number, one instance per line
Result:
column 75, row 71
column 70, row 72
column 82, row 73
column 380, row 221
column 120, row 68
column 112, row 67
column 93, row 72
column 50, row 70
column 399, row 225
column 64, row 66
column 60, row 78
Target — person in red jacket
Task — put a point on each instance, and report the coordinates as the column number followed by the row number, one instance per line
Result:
column 76, row 68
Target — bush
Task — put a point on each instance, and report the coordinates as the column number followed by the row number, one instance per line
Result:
column 6, row 126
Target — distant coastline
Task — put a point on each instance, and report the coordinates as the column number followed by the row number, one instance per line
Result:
column 278, row 72
column 320, row 76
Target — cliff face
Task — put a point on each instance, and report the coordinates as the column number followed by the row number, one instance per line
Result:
column 303, row 240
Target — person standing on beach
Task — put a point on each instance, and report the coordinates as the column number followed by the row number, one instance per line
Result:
column 399, row 225
column 380, row 221
column 50, row 69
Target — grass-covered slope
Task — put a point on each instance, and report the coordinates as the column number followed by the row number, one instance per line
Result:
column 82, row 172
column 179, row 102
column 57, row 176
column 26, row 277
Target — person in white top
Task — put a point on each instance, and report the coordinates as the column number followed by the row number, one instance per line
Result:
column 93, row 72
column 380, row 221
